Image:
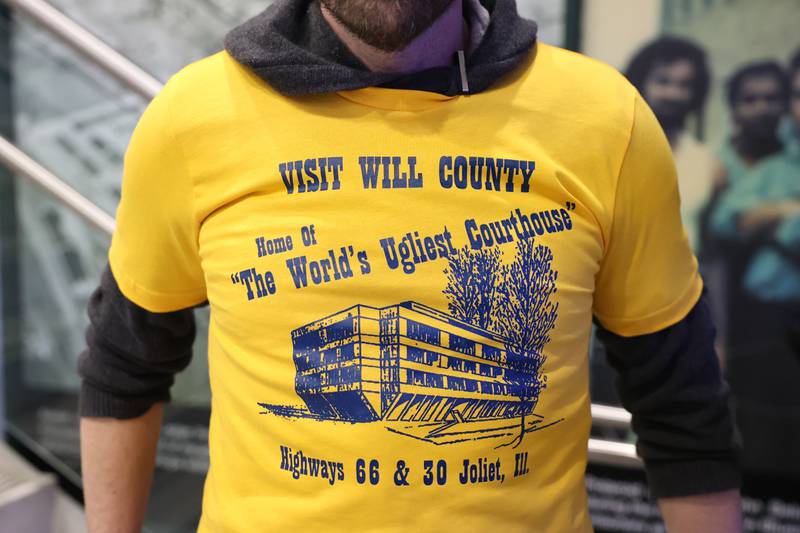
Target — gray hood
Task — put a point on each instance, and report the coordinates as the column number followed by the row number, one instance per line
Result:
column 292, row 47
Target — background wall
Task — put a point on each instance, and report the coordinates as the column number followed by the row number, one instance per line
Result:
column 613, row 29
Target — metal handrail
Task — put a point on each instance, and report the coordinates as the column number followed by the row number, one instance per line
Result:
column 85, row 42
column 146, row 85
column 613, row 453
column 611, row 416
column 19, row 162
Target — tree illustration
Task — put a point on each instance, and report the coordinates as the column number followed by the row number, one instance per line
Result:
column 525, row 317
column 472, row 280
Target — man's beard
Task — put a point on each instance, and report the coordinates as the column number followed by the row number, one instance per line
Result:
column 672, row 121
column 388, row 25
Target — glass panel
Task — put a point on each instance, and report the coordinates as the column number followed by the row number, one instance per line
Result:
column 550, row 15
column 161, row 36
column 76, row 121
column 80, row 132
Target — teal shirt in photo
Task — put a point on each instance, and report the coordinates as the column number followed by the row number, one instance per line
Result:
column 774, row 272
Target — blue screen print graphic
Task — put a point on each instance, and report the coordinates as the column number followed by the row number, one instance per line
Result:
column 474, row 372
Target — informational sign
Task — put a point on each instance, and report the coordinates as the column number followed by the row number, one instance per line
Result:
column 619, row 501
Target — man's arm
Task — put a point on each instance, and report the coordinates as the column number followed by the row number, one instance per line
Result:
column 671, row 383
column 126, row 371
column 707, row 513
column 656, row 326
column 141, row 318
column 118, row 458
column 745, row 211
column 767, row 215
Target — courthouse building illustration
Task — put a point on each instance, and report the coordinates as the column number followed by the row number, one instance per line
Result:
column 405, row 362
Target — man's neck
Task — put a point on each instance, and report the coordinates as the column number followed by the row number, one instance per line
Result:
column 435, row 47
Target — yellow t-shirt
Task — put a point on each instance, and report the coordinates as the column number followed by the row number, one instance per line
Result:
column 399, row 283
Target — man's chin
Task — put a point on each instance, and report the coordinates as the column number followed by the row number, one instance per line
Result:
column 388, row 25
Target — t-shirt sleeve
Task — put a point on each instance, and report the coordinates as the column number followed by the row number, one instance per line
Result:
column 648, row 278
column 154, row 250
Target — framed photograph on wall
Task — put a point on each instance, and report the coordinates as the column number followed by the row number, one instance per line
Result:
column 723, row 79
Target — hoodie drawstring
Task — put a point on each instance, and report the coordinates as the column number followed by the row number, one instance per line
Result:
column 462, row 66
